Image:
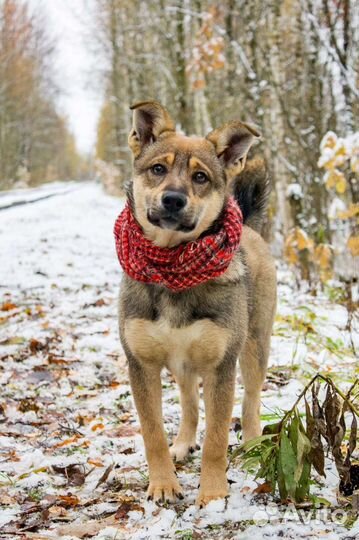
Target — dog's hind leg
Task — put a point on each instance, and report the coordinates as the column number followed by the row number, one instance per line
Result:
column 253, row 363
column 146, row 388
column 185, row 442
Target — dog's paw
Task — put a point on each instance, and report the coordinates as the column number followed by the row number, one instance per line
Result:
column 213, row 486
column 204, row 497
column 166, row 490
column 180, row 450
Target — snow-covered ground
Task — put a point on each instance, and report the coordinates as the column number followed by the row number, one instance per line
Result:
column 71, row 456
column 17, row 197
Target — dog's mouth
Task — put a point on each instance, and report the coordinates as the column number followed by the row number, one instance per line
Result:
column 168, row 221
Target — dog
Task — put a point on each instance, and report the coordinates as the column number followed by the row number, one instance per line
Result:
column 179, row 192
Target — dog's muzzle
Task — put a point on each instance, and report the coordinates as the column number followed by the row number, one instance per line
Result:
column 170, row 214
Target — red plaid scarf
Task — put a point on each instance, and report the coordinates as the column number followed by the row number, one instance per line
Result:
column 182, row 266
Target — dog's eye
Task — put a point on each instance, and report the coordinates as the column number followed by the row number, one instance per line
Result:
column 158, row 169
column 200, row 177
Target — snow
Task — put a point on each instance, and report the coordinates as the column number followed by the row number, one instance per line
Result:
column 67, row 405
column 295, row 191
column 19, row 196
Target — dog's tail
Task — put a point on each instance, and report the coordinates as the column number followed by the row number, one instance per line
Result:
column 251, row 190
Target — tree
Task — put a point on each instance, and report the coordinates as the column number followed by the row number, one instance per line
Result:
column 33, row 136
column 288, row 67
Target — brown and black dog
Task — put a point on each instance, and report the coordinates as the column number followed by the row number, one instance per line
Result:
column 202, row 331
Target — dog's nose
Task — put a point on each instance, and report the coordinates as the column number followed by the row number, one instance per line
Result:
column 173, row 201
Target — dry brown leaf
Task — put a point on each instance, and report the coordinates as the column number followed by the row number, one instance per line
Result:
column 74, row 473
column 59, row 360
column 69, row 500
column 36, row 346
column 8, row 306
column 95, row 462
column 57, row 511
column 126, row 507
column 6, row 499
column 266, row 487
column 88, row 528
column 68, row 441
column 123, row 431
column 28, row 404
column 98, row 426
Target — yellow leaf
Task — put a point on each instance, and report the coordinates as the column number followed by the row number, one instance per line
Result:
column 351, row 212
column 340, row 150
column 353, row 245
column 333, row 178
column 341, row 185
column 290, row 253
column 303, row 240
column 330, row 164
column 323, row 256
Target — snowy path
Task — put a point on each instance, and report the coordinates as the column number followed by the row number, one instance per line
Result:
column 18, row 197
column 71, row 455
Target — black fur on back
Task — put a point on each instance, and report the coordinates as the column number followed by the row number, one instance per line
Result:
column 251, row 190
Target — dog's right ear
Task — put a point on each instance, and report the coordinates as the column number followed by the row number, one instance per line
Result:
column 150, row 120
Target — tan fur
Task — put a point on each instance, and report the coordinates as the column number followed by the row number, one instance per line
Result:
column 198, row 347
column 199, row 333
column 185, row 442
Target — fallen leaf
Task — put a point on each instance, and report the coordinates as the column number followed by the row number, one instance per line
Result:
column 68, row 441
column 266, row 487
column 36, row 346
column 74, row 473
column 96, row 427
column 57, row 511
column 89, row 528
column 126, row 507
column 95, row 462
column 28, row 404
column 59, row 360
column 69, row 500
column 15, row 340
column 7, row 500
column 128, row 451
column 8, row 306
column 123, row 431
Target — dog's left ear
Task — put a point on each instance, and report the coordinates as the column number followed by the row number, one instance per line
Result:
column 232, row 143
column 150, row 120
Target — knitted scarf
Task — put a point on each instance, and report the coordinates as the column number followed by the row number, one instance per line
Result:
column 183, row 266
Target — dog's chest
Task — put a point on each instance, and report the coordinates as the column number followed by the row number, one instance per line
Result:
column 195, row 346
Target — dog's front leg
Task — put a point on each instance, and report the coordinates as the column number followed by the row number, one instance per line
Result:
column 146, row 388
column 218, row 391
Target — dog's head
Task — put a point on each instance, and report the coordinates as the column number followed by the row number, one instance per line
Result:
column 180, row 184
